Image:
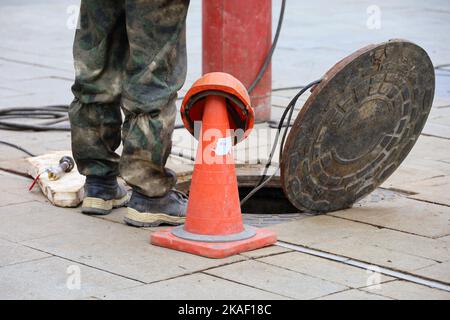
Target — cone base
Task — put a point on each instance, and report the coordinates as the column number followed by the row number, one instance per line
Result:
column 216, row 250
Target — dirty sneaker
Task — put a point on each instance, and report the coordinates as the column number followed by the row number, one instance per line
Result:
column 102, row 194
column 144, row 211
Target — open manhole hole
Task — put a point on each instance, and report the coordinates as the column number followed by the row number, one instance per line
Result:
column 269, row 206
column 270, row 200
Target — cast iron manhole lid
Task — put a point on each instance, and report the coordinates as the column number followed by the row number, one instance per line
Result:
column 357, row 126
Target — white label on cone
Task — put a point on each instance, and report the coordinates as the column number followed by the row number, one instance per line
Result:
column 223, row 146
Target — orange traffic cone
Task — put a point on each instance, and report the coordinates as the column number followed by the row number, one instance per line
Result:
column 214, row 226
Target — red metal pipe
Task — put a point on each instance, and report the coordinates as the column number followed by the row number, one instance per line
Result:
column 237, row 36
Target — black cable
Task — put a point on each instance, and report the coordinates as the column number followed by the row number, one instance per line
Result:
column 289, row 109
column 15, row 146
column 55, row 114
column 271, row 51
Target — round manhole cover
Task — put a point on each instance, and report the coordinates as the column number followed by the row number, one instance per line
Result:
column 357, row 126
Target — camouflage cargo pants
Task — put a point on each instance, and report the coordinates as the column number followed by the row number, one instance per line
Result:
column 129, row 55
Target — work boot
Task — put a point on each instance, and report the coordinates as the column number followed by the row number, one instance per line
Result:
column 144, row 211
column 102, row 194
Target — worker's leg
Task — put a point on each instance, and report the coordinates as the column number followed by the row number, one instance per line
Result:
column 155, row 71
column 100, row 49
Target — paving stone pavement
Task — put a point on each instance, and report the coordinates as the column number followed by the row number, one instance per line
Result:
column 199, row 285
column 403, row 226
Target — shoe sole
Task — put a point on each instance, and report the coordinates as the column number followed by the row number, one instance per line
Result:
column 98, row 206
column 144, row 219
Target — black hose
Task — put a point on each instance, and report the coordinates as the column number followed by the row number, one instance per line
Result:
column 271, row 51
column 55, row 114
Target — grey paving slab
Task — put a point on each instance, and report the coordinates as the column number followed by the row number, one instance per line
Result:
column 440, row 165
column 440, row 105
column 32, row 220
column 423, row 162
column 442, row 83
column 10, row 198
column 322, row 268
column 7, row 153
column 319, row 229
column 354, row 294
column 433, row 249
column 434, row 190
column 193, row 287
column 15, row 189
column 52, row 48
column 6, row 133
column 438, row 271
column 53, row 278
column 30, row 100
column 12, row 253
column 277, row 280
column 37, row 91
column 280, row 101
column 55, row 59
column 268, row 251
column 358, row 241
column 36, row 143
column 402, row 290
column 440, row 115
column 12, row 73
column 291, row 93
column 6, row 92
column 120, row 249
column 430, row 148
column 415, row 170
column 358, row 249
column 13, row 181
column 421, row 218
column 309, row 50
column 437, row 130
column 56, row 90
column 443, row 120
column 440, row 102
column 446, row 239
column 379, row 195
column 41, row 15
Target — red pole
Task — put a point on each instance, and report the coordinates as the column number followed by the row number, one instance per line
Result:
column 237, row 36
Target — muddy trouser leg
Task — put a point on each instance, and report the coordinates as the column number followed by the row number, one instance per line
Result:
column 100, row 49
column 155, row 71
